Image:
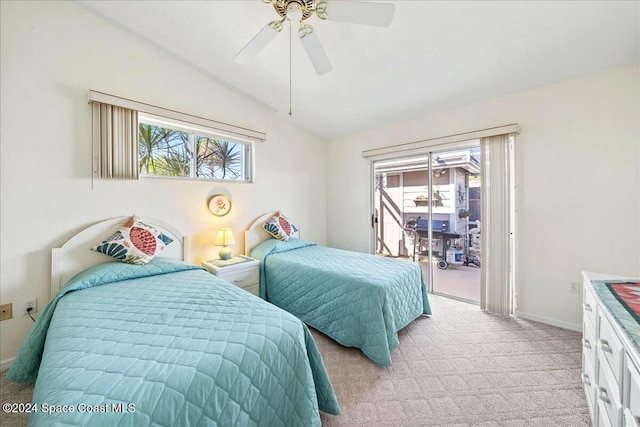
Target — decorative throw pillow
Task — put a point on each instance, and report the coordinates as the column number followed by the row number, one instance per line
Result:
column 134, row 243
column 280, row 227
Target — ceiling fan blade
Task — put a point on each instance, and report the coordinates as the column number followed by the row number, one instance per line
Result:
column 358, row 12
column 344, row 30
column 312, row 45
column 257, row 43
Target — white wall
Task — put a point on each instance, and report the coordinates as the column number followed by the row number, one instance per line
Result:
column 52, row 53
column 577, row 173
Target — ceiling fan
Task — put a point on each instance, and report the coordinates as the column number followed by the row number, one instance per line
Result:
column 356, row 12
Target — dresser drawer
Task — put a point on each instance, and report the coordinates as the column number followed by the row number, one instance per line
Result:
column 589, row 342
column 603, row 419
column 611, row 347
column 590, row 306
column 242, row 278
column 589, row 383
column 632, row 393
column 608, row 394
column 609, row 351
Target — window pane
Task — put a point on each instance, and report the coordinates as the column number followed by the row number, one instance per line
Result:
column 219, row 159
column 164, row 151
column 177, row 149
column 393, row 181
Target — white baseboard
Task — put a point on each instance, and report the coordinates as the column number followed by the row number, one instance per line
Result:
column 6, row 364
column 549, row 321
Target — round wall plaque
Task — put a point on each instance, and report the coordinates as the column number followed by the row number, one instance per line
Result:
column 219, row 204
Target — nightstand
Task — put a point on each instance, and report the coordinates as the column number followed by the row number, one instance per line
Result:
column 240, row 270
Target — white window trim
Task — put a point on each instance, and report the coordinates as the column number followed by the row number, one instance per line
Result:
column 247, row 166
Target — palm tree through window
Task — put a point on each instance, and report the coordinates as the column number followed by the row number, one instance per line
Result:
column 177, row 151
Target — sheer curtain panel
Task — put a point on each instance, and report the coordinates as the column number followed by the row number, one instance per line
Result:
column 115, row 141
column 497, row 229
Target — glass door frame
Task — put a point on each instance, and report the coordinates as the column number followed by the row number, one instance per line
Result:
column 424, row 152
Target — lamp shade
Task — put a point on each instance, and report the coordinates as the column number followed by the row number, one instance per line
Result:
column 225, row 237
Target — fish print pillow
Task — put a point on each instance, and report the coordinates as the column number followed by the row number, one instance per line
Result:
column 280, row 227
column 134, row 243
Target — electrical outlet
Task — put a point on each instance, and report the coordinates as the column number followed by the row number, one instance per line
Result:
column 573, row 287
column 33, row 303
column 6, row 311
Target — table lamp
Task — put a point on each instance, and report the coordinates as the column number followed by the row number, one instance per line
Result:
column 224, row 238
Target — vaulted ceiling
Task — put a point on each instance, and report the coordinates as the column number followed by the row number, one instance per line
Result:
column 434, row 55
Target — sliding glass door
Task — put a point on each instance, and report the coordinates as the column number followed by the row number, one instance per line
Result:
column 455, row 250
column 400, row 197
column 426, row 210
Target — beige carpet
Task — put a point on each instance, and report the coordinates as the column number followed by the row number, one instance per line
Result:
column 13, row 393
column 460, row 367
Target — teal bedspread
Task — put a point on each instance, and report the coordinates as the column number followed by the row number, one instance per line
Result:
column 168, row 344
column 359, row 300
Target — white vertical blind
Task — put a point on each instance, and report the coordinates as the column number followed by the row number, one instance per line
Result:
column 115, row 139
column 496, row 291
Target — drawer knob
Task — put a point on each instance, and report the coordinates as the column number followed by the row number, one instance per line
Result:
column 585, row 379
column 604, row 344
column 586, row 343
column 602, row 395
column 587, row 307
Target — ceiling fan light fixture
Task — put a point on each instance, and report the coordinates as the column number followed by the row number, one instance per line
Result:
column 276, row 25
column 304, row 30
column 357, row 12
column 321, row 10
column 294, row 12
column 283, row 7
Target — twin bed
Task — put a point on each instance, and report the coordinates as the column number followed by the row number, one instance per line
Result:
column 167, row 343
column 359, row 300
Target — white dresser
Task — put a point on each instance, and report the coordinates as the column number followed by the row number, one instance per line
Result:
column 610, row 356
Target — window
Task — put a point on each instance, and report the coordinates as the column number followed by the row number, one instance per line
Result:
column 171, row 148
column 393, row 181
column 131, row 138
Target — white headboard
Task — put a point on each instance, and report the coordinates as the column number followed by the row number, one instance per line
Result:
column 75, row 255
column 255, row 233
